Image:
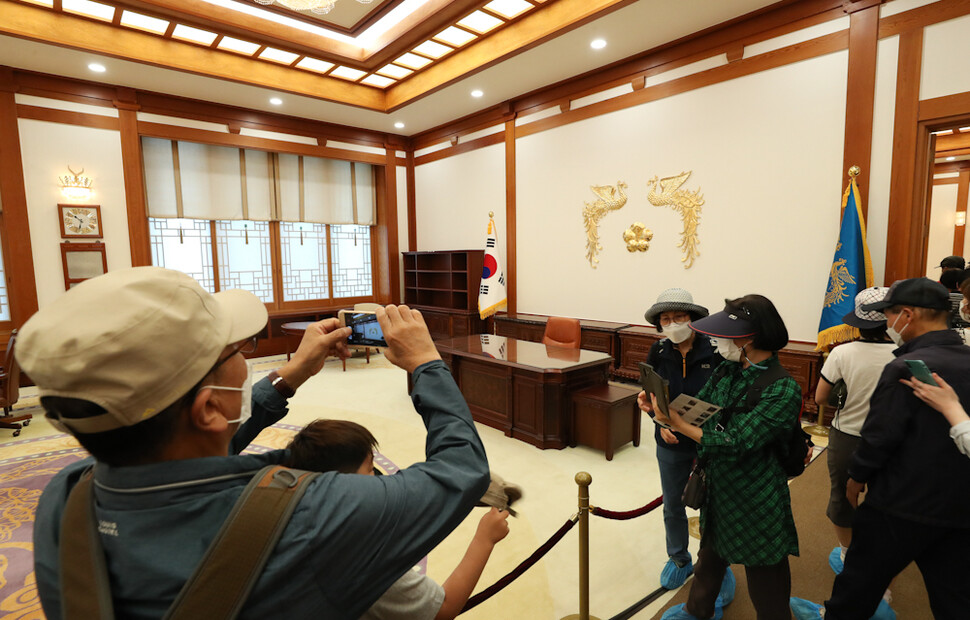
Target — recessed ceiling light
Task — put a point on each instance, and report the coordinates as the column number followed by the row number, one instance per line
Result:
column 477, row 93
column 276, row 101
column 951, row 158
column 598, row 44
column 399, row 125
column 97, row 67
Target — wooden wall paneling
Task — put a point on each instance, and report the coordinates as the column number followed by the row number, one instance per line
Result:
column 919, row 18
column 940, row 108
column 464, row 147
column 19, row 263
column 903, row 224
column 66, row 117
column 763, row 62
column 922, row 196
column 860, row 96
column 412, row 205
column 171, row 132
column 389, row 255
column 140, row 241
column 959, row 232
column 510, row 224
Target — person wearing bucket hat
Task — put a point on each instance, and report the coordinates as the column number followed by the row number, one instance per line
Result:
column 685, row 359
column 858, row 364
column 746, row 518
column 918, row 480
column 144, row 368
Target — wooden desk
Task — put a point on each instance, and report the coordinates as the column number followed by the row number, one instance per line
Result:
column 595, row 335
column 522, row 388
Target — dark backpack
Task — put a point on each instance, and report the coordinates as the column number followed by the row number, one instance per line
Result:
column 793, row 449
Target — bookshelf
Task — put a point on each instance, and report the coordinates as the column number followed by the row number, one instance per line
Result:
column 444, row 286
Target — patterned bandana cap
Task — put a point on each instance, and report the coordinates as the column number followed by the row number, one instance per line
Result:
column 870, row 296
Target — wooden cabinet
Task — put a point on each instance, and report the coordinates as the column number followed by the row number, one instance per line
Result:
column 444, row 286
column 635, row 342
column 605, row 417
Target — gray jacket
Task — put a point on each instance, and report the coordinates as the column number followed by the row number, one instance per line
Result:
column 349, row 539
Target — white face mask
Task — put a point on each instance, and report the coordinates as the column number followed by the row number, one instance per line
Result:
column 964, row 311
column 678, row 332
column 727, row 349
column 897, row 337
column 246, row 410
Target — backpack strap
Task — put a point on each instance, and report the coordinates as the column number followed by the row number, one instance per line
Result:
column 224, row 577
column 235, row 559
column 85, row 591
column 769, row 376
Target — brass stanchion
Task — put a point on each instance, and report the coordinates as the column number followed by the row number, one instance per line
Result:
column 583, row 479
column 818, row 429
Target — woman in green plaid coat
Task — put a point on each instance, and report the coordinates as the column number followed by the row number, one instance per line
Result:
column 746, row 518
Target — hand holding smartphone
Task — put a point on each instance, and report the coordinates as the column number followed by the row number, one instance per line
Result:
column 365, row 330
column 921, row 371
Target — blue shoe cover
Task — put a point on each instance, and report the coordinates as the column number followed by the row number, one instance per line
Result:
column 884, row 611
column 835, row 560
column 679, row 612
column 804, row 610
column 673, row 576
column 726, row 593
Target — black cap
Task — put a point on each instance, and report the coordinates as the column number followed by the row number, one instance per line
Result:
column 728, row 323
column 918, row 292
column 953, row 262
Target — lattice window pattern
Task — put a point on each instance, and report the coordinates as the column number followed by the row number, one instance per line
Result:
column 350, row 252
column 4, row 297
column 304, row 249
column 184, row 245
column 245, row 257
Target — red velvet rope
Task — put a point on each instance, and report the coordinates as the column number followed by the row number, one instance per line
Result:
column 499, row 585
column 630, row 514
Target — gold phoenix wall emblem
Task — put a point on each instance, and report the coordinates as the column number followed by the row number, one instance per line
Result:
column 611, row 198
column 637, row 237
column 688, row 203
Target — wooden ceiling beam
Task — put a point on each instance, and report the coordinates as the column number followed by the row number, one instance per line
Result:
column 952, row 142
column 40, row 24
column 532, row 29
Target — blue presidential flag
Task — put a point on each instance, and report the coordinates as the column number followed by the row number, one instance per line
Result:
column 850, row 273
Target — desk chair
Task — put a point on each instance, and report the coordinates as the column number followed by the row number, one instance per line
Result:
column 10, row 390
column 562, row 332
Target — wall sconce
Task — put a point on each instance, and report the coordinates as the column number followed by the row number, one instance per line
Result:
column 75, row 186
column 961, row 218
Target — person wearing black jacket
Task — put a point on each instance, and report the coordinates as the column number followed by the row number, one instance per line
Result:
column 686, row 360
column 917, row 508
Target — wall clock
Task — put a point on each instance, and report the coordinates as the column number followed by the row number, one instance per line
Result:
column 80, row 221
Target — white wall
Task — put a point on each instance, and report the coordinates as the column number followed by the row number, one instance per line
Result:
column 47, row 150
column 766, row 151
column 880, row 165
column 946, row 48
column 943, row 205
column 453, row 198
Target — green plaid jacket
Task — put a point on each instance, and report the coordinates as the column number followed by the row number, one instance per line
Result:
column 748, row 515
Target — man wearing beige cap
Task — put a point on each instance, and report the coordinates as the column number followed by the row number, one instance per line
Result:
column 145, row 369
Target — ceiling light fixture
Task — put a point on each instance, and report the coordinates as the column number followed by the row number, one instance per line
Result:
column 320, row 7
column 477, row 93
column 276, row 101
column 951, row 158
column 399, row 125
column 97, row 68
column 598, row 44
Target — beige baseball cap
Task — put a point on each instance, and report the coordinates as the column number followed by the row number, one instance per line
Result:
column 132, row 341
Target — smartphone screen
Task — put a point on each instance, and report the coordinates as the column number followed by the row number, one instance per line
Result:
column 366, row 331
column 921, row 371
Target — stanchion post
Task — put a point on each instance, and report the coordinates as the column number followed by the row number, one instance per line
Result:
column 583, row 480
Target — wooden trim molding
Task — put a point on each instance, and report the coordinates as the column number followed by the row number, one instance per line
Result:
column 391, row 257
column 905, row 224
column 138, row 233
column 66, row 117
column 412, row 205
column 510, row 222
column 860, row 96
column 464, row 147
column 22, row 288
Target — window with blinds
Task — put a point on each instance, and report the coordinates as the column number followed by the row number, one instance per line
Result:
column 276, row 224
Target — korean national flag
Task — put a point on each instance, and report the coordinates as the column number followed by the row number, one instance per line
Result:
column 491, row 293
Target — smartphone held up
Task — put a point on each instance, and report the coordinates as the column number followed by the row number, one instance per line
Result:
column 365, row 330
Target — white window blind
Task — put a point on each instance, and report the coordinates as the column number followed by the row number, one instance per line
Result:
column 192, row 180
